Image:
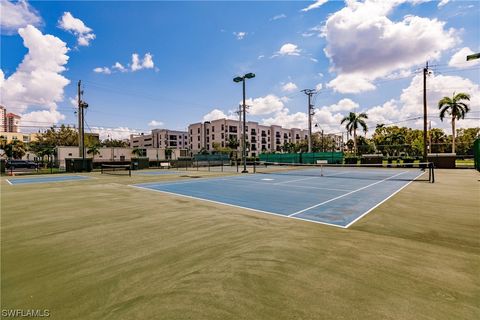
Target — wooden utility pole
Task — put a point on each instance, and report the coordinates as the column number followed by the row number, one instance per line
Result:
column 80, row 119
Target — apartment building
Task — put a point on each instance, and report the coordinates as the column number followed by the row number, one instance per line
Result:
column 12, row 136
column 160, row 138
column 260, row 138
column 12, row 123
column 3, row 119
column 9, row 122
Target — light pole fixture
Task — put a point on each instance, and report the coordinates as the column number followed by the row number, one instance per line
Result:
column 244, row 139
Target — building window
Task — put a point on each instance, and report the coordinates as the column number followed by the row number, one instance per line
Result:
column 223, row 135
column 198, row 130
column 223, row 127
column 213, row 128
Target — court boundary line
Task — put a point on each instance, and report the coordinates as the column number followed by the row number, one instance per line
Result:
column 383, row 201
column 39, row 177
column 237, row 206
column 344, row 195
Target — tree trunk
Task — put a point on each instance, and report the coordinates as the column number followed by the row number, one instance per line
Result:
column 453, row 134
column 355, row 141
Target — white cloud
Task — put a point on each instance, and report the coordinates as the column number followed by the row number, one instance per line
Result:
column 343, row 105
column 17, row 15
column 373, row 46
column 240, row 35
column 32, row 120
column 118, row 66
column 387, row 113
column 136, row 65
column 442, row 3
column 139, row 64
column 289, row 87
column 278, row 16
column 438, row 86
column 351, row 83
column 104, row 70
column 289, row 49
column 315, row 5
column 119, row 133
column 260, row 57
column 265, row 105
column 287, row 120
column 459, row 59
column 218, row 114
column 76, row 26
column 38, row 81
column 319, row 87
column 155, row 123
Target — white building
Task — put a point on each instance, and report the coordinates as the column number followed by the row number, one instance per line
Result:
column 160, row 138
column 260, row 138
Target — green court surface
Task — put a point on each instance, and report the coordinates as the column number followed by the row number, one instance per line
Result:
column 100, row 249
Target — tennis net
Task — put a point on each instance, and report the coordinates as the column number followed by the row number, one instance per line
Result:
column 395, row 171
column 120, row 169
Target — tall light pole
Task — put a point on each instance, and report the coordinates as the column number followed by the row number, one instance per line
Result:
column 244, row 139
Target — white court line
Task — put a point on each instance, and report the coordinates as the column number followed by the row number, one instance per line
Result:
column 9, row 182
column 309, row 178
column 375, row 206
column 344, row 195
column 277, row 184
column 236, row 206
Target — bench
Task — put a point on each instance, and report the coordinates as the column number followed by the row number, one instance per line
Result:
column 165, row 165
column 322, row 161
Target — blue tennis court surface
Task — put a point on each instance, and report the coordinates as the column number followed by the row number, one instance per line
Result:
column 49, row 179
column 338, row 198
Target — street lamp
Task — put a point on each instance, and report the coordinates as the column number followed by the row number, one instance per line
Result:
column 316, row 126
column 244, row 140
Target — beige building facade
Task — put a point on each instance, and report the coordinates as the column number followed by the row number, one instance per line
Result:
column 19, row 136
column 161, row 138
column 260, row 138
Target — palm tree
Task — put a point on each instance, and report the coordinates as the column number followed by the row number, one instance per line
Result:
column 137, row 152
column 94, row 150
column 354, row 121
column 455, row 108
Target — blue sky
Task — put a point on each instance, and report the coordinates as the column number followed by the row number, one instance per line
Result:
column 188, row 53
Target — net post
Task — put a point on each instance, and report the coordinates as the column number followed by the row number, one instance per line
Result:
column 222, row 165
column 208, row 161
column 432, row 172
column 255, row 166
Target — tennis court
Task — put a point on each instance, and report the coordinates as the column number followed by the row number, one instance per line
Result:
column 337, row 196
column 59, row 178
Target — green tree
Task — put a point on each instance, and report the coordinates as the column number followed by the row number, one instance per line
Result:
column 93, row 150
column 110, row 143
column 15, row 149
column 354, row 121
column 465, row 139
column 62, row 136
column 456, row 108
column 233, row 143
column 138, row 152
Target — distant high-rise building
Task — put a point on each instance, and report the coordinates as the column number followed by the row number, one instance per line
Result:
column 12, row 122
column 3, row 119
